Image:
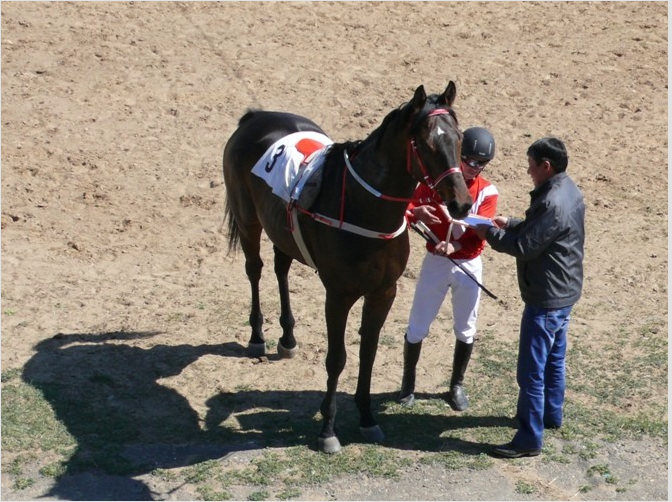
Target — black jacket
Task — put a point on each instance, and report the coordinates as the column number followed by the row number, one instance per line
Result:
column 547, row 244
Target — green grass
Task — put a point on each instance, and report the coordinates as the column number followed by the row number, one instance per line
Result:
column 87, row 421
column 524, row 488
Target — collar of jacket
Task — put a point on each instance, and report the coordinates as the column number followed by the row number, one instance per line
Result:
column 546, row 185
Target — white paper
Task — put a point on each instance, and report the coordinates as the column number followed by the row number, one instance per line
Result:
column 474, row 220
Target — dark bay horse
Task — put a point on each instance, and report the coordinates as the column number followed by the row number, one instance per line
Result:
column 354, row 232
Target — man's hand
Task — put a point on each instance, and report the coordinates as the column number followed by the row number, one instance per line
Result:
column 480, row 230
column 500, row 221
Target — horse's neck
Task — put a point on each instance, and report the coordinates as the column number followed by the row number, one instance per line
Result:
column 385, row 168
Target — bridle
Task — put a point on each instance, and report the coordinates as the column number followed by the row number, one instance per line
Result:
column 411, row 152
column 413, row 149
column 340, row 223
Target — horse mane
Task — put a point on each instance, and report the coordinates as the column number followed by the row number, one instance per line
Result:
column 248, row 115
column 404, row 113
column 352, row 147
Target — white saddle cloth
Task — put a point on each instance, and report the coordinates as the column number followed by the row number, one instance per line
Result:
column 290, row 162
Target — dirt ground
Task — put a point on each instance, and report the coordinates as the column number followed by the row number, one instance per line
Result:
column 115, row 115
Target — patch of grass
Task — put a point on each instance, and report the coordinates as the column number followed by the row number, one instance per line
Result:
column 164, row 474
column 201, row 472
column 261, row 495
column 524, row 488
column 289, row 493
column 29, row 422
column 588, row 451
column 15, row 468
column 550, row 455
column 53, row 470
column 600, row 469
column 299, row 465
column 265, row 470
column 11, row 374
column 455, row 460
column 23, row 483
column 48, row 416
column 208, row 493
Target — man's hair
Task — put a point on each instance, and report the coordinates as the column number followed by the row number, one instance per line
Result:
column 550, row 149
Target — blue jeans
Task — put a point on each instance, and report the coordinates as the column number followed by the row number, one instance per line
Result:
column 541, row 373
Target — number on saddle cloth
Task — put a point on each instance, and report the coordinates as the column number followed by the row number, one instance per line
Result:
column 292, row 167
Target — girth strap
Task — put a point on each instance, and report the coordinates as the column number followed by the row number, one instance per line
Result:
column 298, row 238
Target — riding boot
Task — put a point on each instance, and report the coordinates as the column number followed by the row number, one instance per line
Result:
column 457, row 399
column 411, row 357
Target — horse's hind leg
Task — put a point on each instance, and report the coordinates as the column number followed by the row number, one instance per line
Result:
column 256, row 347
column 287, row 344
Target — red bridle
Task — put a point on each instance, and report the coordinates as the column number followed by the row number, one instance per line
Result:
column 412, row 147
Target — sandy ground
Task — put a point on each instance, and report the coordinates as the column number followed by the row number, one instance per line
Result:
column 114, row 117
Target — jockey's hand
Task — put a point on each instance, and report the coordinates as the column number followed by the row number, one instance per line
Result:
column 444, row 248
column 426, row 214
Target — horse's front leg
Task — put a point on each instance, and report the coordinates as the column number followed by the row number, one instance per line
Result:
column 374, row 312
column 287, row 343
column 337, row 307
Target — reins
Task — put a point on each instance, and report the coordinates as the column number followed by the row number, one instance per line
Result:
column 429, row 236
column 412, row 151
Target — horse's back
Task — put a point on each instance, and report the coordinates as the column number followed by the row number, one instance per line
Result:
column 250, row 201
column 257, row 130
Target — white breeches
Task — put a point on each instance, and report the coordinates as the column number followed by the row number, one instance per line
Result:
column 438, row 275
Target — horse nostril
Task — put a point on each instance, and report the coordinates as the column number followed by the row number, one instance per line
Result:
column 458, row 211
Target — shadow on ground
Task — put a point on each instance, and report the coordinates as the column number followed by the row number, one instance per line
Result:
column 125, row 423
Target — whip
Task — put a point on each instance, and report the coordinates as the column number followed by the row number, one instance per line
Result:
column 429, row 236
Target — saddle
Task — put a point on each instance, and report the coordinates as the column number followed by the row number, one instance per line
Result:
column 292, row 167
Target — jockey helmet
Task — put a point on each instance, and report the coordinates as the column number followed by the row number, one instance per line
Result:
column 478, row 143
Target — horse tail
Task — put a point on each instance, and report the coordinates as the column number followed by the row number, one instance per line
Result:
column 234, row 231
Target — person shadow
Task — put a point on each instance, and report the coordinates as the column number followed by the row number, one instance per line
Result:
column 105, row 389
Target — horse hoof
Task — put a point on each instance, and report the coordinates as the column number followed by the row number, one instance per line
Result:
column 329, row 445
column 256, row 349
column 372, row 434
column 407, row 401
column 286, row 353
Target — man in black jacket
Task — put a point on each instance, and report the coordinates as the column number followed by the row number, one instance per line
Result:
column 548, row 247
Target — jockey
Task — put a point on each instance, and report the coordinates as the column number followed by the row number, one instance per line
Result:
column 438, row 274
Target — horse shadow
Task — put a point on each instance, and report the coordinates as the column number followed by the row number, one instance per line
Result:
column 106, row 391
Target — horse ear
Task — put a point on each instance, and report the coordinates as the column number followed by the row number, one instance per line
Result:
column 419, row 98
column 448, row 96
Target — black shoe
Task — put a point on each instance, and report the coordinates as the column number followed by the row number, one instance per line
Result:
column 457, row 399
column 552, row 426
column 508, row 451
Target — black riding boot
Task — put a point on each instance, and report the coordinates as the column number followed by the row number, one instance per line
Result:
column 457, row 399
column 411, row 356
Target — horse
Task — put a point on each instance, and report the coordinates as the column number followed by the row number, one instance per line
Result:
column 354, row 232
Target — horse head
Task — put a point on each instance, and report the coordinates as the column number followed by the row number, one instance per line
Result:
column 434, row 148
